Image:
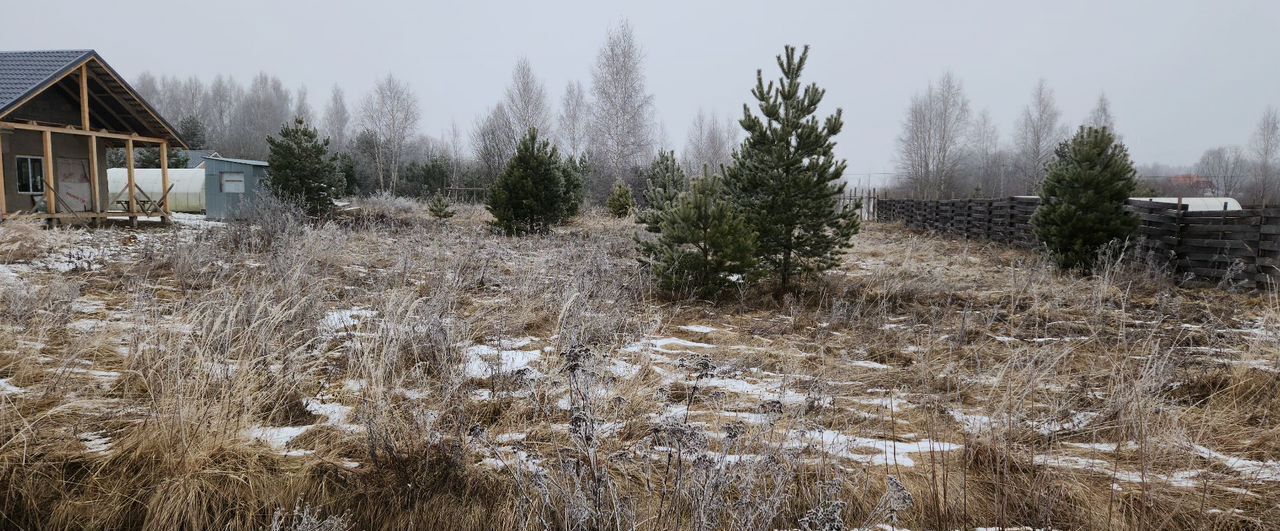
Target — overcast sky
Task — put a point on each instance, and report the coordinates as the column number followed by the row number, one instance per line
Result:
column 1182, row 75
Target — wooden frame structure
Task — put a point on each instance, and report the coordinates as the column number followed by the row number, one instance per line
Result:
column 120, row 114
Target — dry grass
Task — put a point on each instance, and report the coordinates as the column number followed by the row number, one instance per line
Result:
column 395, row 371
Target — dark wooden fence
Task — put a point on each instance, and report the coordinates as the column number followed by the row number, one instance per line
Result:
column 1241, row 247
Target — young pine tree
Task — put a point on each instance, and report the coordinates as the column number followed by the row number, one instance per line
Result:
column 439, row 207
column 301, row 169
column 575, row 170
column 786, row 179
column 704, row 245
column 529, row 196
column 620, row 201
column 663, row 182
column 1082, row 201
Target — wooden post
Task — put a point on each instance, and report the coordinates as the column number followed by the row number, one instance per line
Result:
column 50, row 196
column 164, row 181
column 2, row 206
column 133, row 187
column 84, row 97
column 93, row 180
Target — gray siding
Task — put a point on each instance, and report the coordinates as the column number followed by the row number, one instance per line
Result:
column 220, row 205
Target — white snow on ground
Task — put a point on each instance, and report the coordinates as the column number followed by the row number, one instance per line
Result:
column 9, row 273
column 1105, row 447
column 504, row 457
column 699, row 329
column 623, row 369
column 971, row 423
column 868, row 364
column 1181, row 478
column 195, row 220
column 95, row 442
column 339, row 320
column 276, row 437
column 336, row 413
column 1075, row 422
column 87, row 305
column 101, row 375
column 7, row 388
column 762, row 391
column 888, row 452
column 661, row 345
column 510, row 437
column 1258, row 470
column 479, row 364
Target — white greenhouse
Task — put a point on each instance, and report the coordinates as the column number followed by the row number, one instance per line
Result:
column 186, row 194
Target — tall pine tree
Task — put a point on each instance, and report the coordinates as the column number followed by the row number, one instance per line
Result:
column 530, row 196
column 301, row 169
column 704, row 244
column 786, row 179
column 1082, row 201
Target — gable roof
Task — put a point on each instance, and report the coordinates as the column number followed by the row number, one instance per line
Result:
column 24, row 75
column 246, row 162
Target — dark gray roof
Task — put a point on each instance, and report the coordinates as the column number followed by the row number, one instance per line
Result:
column 195, row 157
column 241, row 161
column 25, row 73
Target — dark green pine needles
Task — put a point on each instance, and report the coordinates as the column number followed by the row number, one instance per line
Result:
column 530, row 196
column 1082, row 201
column 704, row 245
column 786, row 179
column 301, row 169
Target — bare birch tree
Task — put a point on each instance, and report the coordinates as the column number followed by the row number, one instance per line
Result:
column 1100, row 116
column 493, row 141
column 575, row 116
column 1226, row 168
column 223, row 96
column 337, row 120
column 622, row 126
column 931, row 146
column 526, row 101
column 390, row 114
column 1039, row 131
column 1265, row 147
column 709, row 144
column 265, row 106
column 302, row 107
column 987, row 167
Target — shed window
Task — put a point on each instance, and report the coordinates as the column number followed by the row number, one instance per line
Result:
column 30, row 175
column 232, row 183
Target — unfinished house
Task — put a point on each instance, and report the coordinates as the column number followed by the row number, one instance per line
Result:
column 60, row 111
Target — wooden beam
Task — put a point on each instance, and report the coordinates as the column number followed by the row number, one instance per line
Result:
column 129, row 109
column 75, row 131
column 155, row 115
column 84, row 97
column 94, row 186
column 3, row 211
column 50, row 198
column 133, row 186
column 164, row 182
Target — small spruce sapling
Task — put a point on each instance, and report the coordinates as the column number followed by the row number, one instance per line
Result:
column 529, row 196
column 1082, row 201
column 704, row 244
column 620, row 201
column 439, row 207
column 302, row 171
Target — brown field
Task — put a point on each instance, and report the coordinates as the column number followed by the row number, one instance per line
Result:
column 393, row 371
